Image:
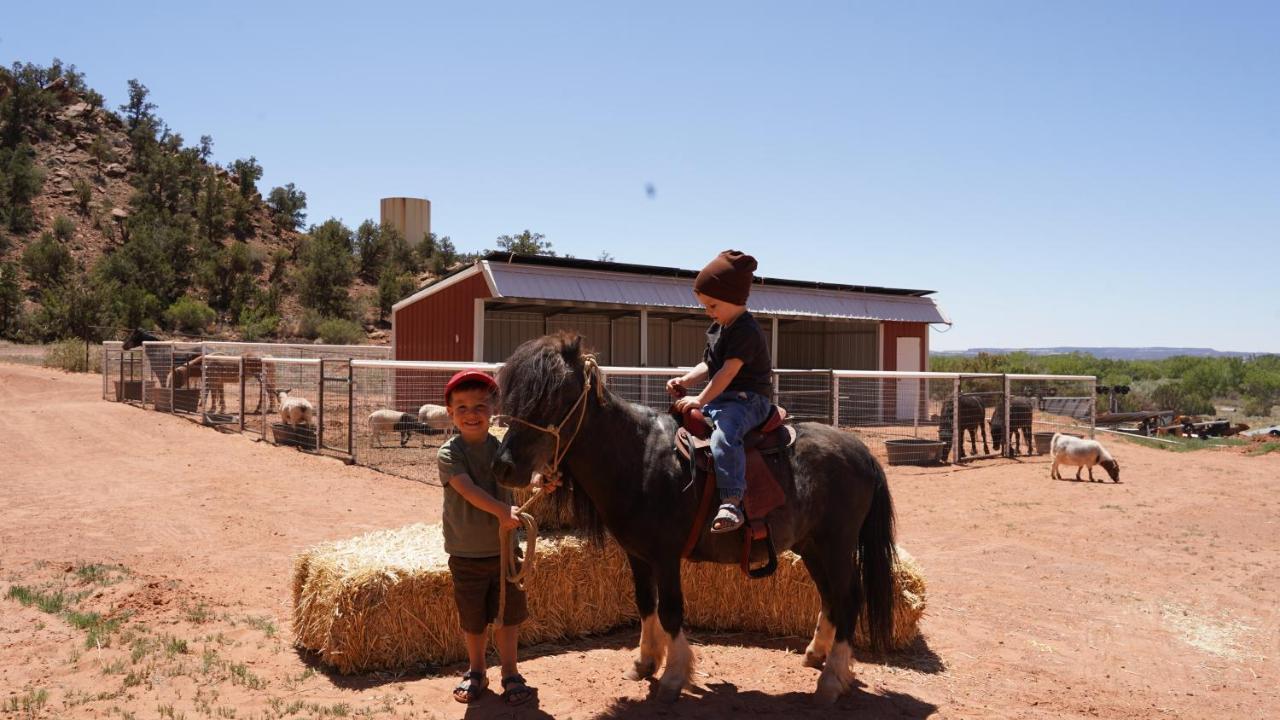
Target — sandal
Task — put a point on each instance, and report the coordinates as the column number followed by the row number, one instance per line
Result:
column 472, row 686
column 728, row 519
column 515, row 691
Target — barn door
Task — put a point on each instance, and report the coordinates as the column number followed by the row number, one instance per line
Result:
column 908, row 390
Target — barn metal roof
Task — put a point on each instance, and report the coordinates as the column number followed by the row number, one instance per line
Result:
column 569, row 280
column 580, row 285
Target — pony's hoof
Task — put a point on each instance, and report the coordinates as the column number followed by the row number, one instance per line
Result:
column 668, row 694
column 826, row 695
column 643, row 670
column 814, row 660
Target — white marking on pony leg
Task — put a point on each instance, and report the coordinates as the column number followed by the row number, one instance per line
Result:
column 816, row 654
column 680, row 661
column 837, row 675
column 652, row 648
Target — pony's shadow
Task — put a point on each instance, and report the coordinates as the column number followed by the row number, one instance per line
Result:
column 724, row 699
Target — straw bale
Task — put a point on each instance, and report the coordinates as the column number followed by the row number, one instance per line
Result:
column 384, row 601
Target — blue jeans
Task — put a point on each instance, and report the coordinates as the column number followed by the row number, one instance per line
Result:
column 733, row 414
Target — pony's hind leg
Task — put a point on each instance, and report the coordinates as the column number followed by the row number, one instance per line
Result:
column 652, row 638
column 816, row 654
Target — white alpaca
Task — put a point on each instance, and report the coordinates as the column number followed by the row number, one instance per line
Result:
column 295, row 411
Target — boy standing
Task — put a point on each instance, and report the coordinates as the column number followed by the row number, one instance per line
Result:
column 475, row 507
column 741, row 370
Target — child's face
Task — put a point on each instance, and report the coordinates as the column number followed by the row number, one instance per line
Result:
column 719, row 310
column 469, row 410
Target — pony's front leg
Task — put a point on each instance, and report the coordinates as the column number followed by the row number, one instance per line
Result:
column 815, row 656
column 652, row 645
column 680, row 659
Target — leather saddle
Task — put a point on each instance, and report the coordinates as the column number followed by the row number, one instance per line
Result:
column 768, row 468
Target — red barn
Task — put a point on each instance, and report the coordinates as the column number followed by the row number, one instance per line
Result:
column 642, row 315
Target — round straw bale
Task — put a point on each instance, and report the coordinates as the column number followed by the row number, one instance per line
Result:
column 384, row 601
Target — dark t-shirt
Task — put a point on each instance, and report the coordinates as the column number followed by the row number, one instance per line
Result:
column 742, row 339
column 469, row 531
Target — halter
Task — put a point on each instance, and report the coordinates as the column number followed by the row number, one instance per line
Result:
column 590, row 369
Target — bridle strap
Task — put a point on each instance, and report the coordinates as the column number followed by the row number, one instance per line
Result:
column 590, row 370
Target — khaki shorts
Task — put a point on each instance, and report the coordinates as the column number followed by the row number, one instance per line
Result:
column 475, row 590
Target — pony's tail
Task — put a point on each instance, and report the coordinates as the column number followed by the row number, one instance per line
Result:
column 877, row 555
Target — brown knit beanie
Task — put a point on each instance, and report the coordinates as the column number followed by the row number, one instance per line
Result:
column 727, row 278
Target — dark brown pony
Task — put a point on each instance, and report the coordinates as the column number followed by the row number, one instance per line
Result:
column 622, row 474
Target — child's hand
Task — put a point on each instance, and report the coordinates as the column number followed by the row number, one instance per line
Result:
column 686, row 403
column 675, row 388
column 511, row 520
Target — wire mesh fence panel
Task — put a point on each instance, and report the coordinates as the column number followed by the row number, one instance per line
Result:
column 157, row 367
column 1041, row 405
column 981, row 403
column 296, row 382
column 186, row 379
column 335, row 406
column 398, row 416
column 806, row 394
column 646, row 386
column 894, row 412
column 222, row 398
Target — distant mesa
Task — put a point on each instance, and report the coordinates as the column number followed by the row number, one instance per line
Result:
column 1107, row 353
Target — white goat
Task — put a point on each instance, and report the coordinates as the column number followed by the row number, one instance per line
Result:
column 295, row 410
column 1068, row 450
column 389, row 421
column 434, row 417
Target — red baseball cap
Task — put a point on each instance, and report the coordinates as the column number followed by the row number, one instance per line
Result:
column 469, row 376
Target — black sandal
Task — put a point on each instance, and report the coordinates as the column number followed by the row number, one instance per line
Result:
column 515, row 691
column 472, row 686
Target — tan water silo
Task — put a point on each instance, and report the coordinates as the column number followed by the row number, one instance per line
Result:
column 411, row 216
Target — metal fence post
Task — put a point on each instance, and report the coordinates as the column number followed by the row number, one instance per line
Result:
column 240, row 374
column 835, row 399
column 957, row 442
column 351, row 411
column 1007, row 450
column 320, row 411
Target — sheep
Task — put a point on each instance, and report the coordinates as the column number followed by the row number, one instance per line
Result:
column 973, row 418
column 434, row 417
column 1020, row 416
column 1068, row 450
column 386, row 421
column 295, row 411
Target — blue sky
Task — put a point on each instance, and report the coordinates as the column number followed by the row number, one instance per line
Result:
column 1070, row 173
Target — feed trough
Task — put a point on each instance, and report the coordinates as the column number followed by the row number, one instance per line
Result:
column 1044, row 439
column 300, row 436
column 915, row 451
column 128, row 390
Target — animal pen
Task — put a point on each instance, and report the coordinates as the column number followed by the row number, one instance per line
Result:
column 912, row 417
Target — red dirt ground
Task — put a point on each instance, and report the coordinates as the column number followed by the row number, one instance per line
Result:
column 1151, row 598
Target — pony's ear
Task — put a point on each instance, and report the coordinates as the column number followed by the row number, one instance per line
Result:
column 571, row 348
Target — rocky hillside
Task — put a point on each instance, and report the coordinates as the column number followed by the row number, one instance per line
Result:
column 110, row 220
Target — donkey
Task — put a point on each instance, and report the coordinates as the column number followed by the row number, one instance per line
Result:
column 618, row 463
column 161, row 361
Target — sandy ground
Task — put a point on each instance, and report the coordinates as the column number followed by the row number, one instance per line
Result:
column 1151, row 598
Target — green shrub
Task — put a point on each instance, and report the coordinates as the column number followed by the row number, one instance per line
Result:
column 1257, row 407
column 69, row 355
column 309, row 324
column 84, row 195
column 255, row 325
column 47, row 261
column 63, row 228
column 338, row 331
column 189, row 314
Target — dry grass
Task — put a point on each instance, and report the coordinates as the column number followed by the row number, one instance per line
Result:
column 384, row 601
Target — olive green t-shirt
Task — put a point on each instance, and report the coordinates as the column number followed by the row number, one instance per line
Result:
column 469, row 531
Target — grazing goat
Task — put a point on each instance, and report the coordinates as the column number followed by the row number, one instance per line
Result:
column 295, row 411
column 434, row 417
column 1020, row 415
column 973, row 417
column 1068, row 450
column 387, row 421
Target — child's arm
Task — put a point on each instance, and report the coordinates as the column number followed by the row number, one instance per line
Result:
column 716, row 387
column 676, row 386
column 508, row 515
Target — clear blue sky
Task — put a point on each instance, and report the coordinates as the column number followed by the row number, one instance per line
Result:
column 1068, row 173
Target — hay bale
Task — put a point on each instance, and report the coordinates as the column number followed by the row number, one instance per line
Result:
column 384, row 601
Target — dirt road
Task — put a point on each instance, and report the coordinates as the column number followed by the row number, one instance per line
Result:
column 1151, row 598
